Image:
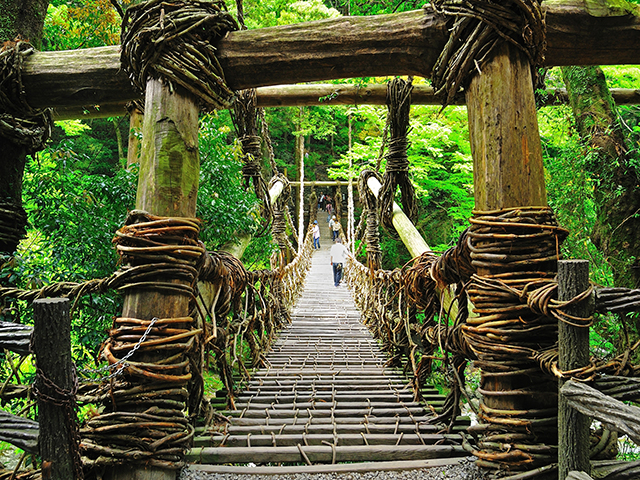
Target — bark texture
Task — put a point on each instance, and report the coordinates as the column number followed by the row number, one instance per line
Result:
column 402, row 44
column 617, row 195
column 573, row 343
column 24, row 18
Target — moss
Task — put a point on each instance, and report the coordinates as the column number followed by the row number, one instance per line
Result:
column 611, row 8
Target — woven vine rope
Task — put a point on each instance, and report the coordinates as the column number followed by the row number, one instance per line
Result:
column 144, row 417
column 279, row 227
column 372, row 233
column 13, row 221
column 173, row 41
column 245, row 119
column 397, row 170
column 18, row 121
column 517, row 248
column 477, row 27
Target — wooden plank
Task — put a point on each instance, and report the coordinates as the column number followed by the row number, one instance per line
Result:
column 575, row 475
column 400, row 44
column 15, row 337
column 342, row 468
column 291, row 440
column 19, row 431
column 323, row 454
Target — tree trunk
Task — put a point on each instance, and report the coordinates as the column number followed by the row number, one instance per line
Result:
column 24, row 18
column 300, row 155
column 508, row 172
column 135, row 136
column 573, row 353
column 617, row 196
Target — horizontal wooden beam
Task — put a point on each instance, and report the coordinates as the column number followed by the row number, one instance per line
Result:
column 338, row 94
column 400, row 44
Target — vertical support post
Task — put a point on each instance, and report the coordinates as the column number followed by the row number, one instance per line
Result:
column 136, row 118
column 350, row 215
column 167, row 186
column 573, row 426
column 301, row 175
column 52, row 348
column 508, row 172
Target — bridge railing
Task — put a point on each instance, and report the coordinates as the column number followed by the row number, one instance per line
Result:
column 247, row 310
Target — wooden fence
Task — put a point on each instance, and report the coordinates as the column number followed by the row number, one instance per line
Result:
column 600, row 399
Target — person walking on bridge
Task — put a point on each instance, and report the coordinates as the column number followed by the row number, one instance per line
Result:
column 334, row 225
column 338, row 257
column 316, row 235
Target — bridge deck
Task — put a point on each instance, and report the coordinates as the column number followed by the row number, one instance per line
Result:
column 327, row 396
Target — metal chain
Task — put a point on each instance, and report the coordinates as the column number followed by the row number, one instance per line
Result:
column 122, row 362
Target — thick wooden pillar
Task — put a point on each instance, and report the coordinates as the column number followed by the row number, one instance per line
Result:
column 503, row 129
column 167, row 186
column 508, row 169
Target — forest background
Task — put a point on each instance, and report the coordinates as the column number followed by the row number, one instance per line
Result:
column 77, row 192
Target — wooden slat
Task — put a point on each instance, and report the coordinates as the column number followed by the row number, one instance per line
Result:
column 310, row 469
column 291, row 440
column 322, row 454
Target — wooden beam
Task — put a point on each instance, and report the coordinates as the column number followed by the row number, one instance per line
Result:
column 339, row 94
column 319, row 183
column 401, row 44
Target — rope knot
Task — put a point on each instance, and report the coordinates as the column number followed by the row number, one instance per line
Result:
column 19, row 122
column 173, row 41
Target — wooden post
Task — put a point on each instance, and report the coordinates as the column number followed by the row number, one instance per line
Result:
column 573, row 426
column 52, row 347
column 503, row 131
column 168, row 186
column 508, row 172
column 136, row 118
column 300, row 149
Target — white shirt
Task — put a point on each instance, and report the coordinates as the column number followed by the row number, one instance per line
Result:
column 338, row 253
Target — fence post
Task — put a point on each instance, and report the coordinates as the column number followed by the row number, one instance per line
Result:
column 55, row 384
column 573, row 427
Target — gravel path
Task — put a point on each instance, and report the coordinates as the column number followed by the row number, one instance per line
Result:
column 466, row 470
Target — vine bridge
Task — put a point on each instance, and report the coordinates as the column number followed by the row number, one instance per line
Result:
column 327, row 395
column 310, row 384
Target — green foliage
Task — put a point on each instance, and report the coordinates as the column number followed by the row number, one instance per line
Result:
column 570, row 188
column 80, row 24
column 222, row 203
column 270, row 13
column 441, row 170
